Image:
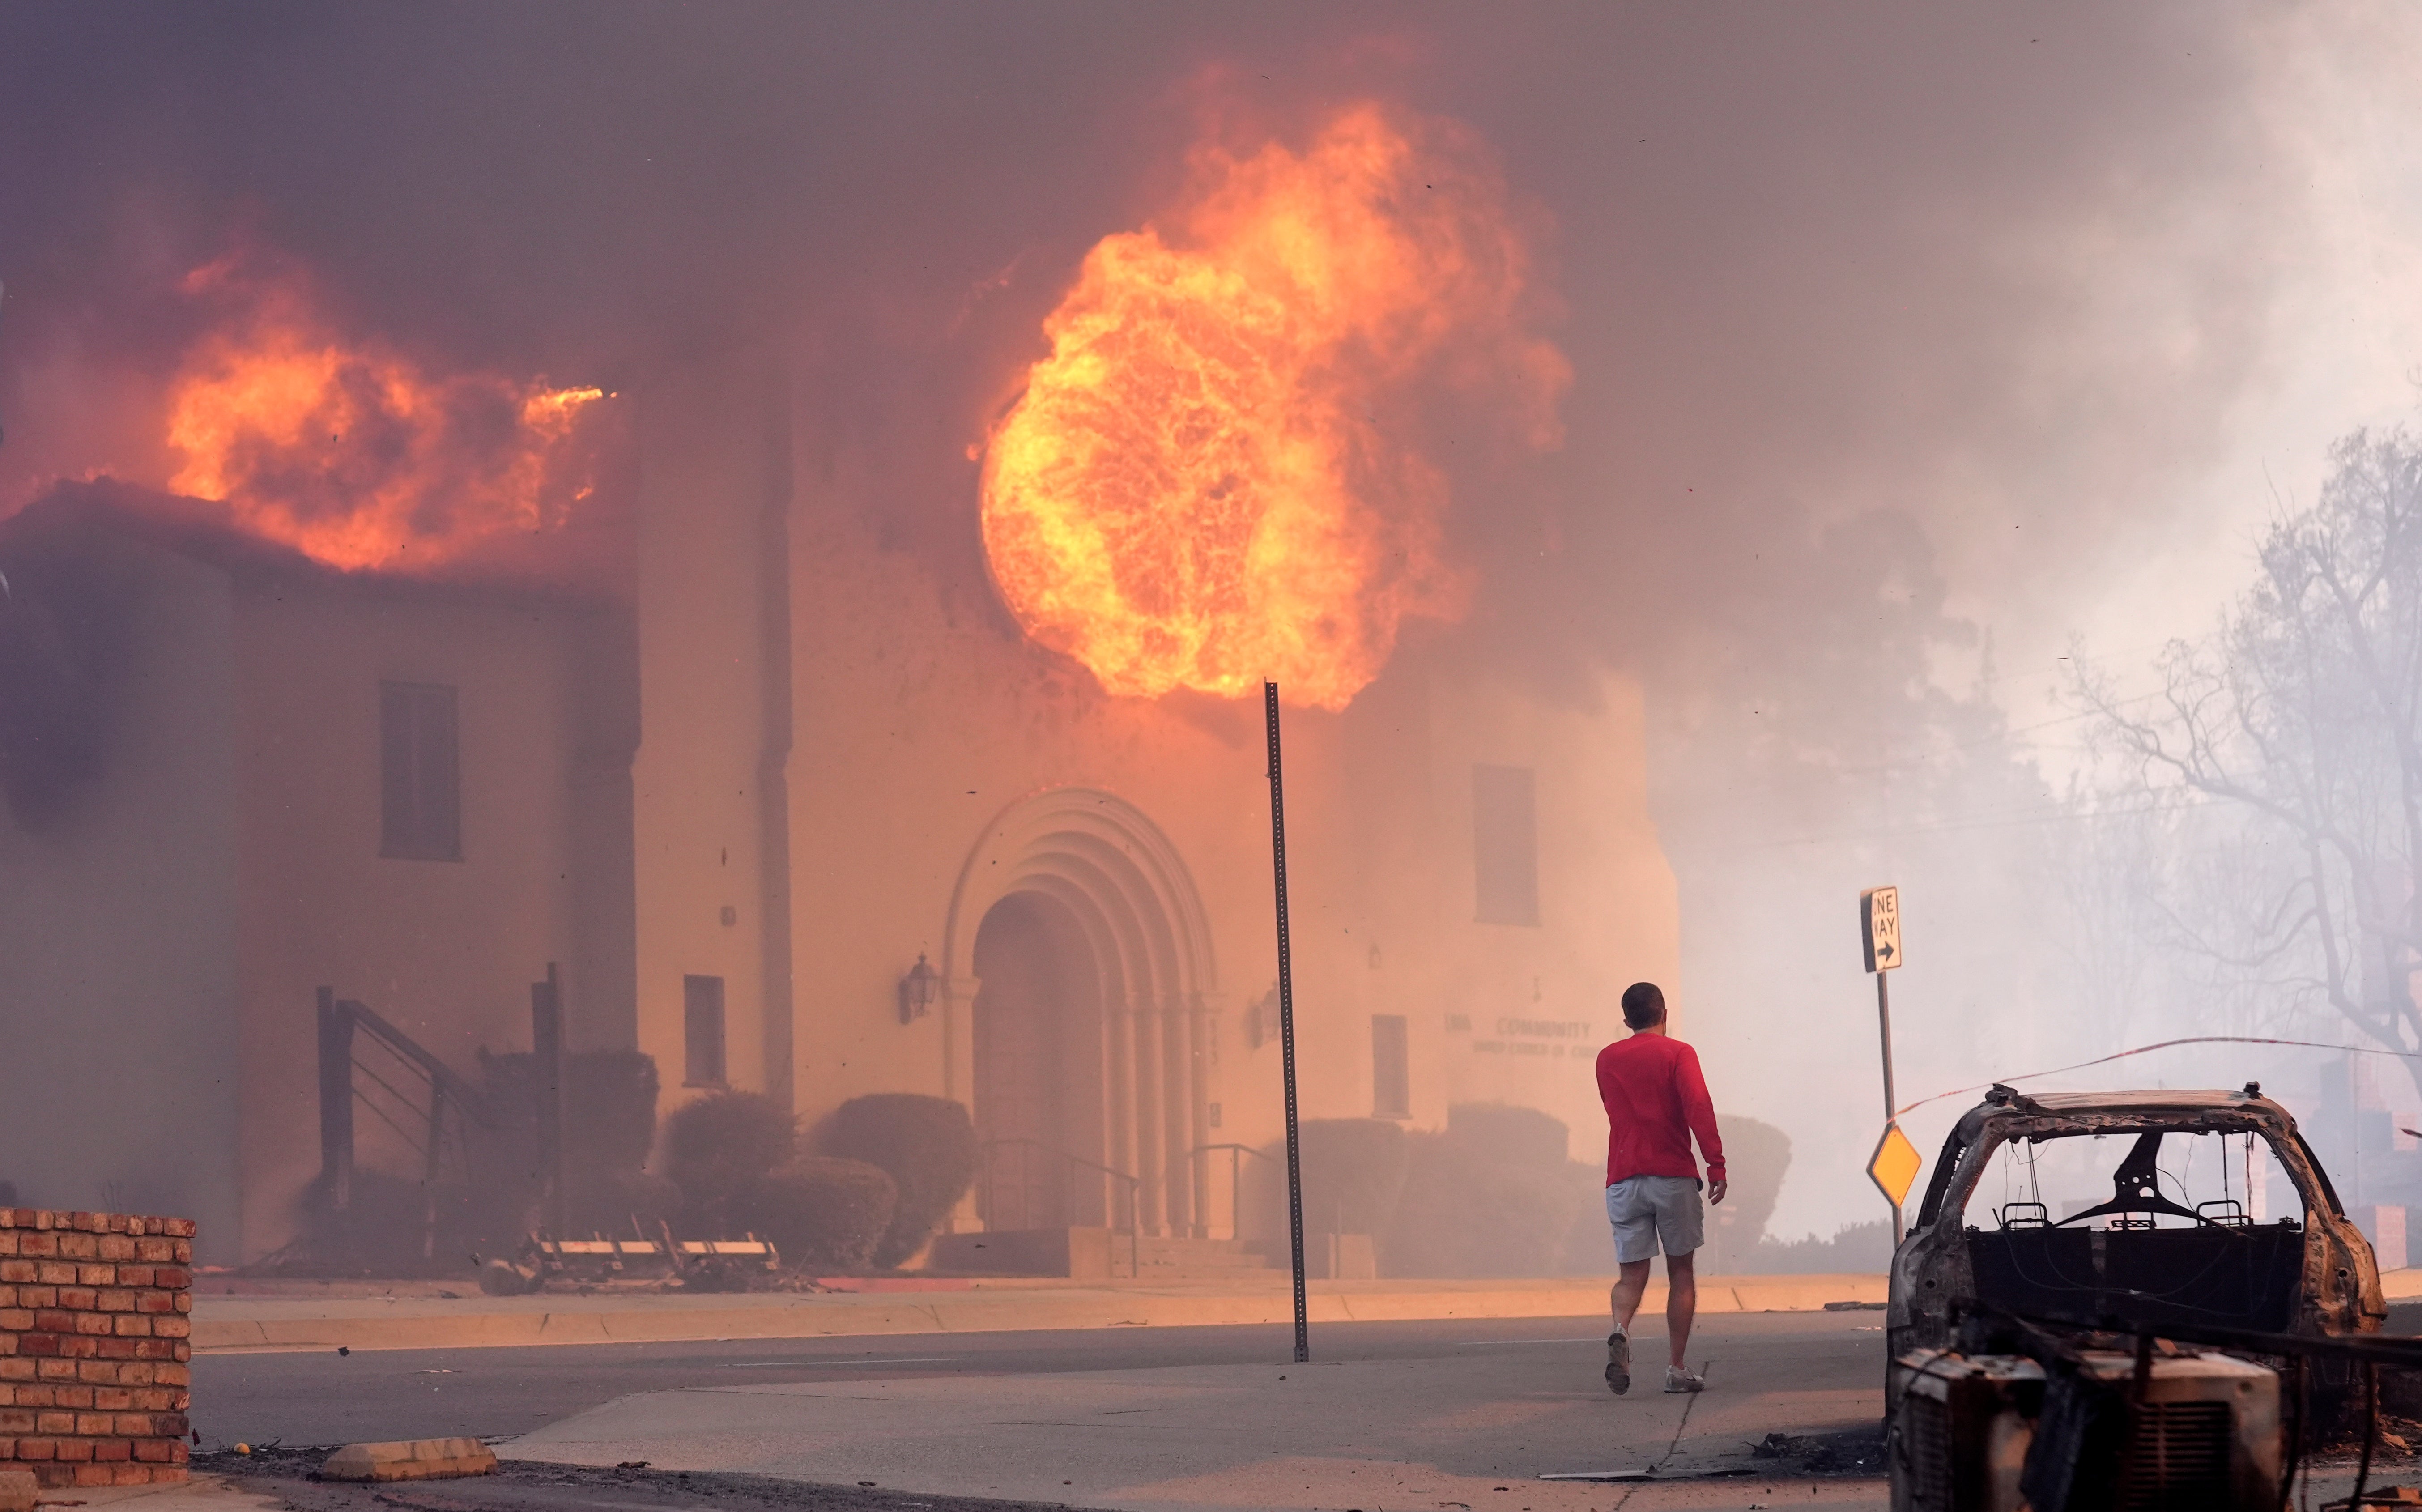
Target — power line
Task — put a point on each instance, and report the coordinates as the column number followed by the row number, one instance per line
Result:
column 2166, row 1045
column 2039, row 817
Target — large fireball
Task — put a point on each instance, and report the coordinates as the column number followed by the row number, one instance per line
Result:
column 353, row 454
column 1208, row 481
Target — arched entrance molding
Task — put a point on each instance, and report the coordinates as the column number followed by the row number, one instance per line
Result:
column 1128, row 890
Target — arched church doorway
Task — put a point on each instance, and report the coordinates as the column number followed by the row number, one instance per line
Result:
column 1037, row 1017
column 1077, row 967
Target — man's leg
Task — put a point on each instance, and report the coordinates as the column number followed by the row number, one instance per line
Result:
column 1681, row 1300
column 1631, row 1284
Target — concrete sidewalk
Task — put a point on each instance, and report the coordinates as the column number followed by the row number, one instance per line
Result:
column 236, row 1324
column 1475, row 1426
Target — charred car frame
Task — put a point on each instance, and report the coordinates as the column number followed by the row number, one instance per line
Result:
column 2310, row 1272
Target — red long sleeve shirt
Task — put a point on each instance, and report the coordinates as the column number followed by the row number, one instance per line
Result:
column 1655, row 1099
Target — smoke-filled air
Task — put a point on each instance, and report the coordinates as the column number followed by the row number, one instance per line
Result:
column 763, row 531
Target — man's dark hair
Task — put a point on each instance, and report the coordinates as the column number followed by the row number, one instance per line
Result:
column 1643, row 1004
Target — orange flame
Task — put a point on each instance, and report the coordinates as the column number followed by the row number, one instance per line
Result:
column 354, row 455
column 1197, row 488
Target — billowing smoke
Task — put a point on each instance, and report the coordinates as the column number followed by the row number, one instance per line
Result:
column 1905, row 344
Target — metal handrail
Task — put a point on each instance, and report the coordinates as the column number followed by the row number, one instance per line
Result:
column 1235, row 1186
column 1133, row 1228
column 338, row 1021
column 442, row 1076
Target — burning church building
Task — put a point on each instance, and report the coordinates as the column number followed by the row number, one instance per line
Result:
column 801, row 804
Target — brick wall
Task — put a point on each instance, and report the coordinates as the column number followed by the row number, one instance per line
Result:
column 93, row 1346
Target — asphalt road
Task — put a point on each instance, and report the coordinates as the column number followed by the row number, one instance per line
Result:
column 324, row 1398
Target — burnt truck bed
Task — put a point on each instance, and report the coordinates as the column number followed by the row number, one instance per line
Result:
column 2309, row 1273
column 2244, row 1275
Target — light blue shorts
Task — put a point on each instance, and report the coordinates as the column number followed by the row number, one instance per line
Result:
column 1653, row 1213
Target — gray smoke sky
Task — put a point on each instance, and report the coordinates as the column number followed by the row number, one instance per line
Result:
column 2031, row 306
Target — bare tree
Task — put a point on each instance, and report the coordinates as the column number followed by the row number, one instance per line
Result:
column 2304, row 711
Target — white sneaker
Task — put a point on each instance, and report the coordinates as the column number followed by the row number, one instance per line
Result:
column 1680, row 1379
column 1618, row 1362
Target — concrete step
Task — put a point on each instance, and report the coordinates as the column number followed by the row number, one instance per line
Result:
column 1169, row 1258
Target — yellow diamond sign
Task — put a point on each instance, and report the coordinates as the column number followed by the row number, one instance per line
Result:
column 1894, row 1165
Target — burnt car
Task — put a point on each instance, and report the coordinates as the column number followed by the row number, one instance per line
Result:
column 2179, row 1235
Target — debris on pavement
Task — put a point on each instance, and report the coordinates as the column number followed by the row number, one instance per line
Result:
column 2380, row 1496
column 1845, row 1452
column 291, row 1476
column 1669, row 1472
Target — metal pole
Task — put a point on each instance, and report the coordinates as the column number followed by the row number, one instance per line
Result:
column 1891, row 1105
column 547, row 1043
column 1286, row 1026
column 336, row 1099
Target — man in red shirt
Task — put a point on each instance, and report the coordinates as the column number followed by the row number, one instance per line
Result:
column 1656, row 1100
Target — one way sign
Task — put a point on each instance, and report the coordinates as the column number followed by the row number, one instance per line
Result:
column 1879, row 921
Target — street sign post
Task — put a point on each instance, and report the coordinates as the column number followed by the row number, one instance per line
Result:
column 1880, row 927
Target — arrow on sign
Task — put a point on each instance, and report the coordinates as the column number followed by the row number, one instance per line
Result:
column 1879, row 923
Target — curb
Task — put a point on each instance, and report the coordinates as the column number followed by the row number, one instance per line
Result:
column 244, row 1326
column 409, row 1459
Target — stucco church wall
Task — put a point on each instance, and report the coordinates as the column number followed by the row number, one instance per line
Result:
column 444, row 949
column 951, row 718
column 1536, row 1002
column 918, row 728
column 118, row 934
column 716, row 468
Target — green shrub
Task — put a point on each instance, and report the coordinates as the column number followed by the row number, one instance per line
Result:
column 1502, row 1131
column 1854, row 1247
column 609, row 1115
column 720, row 1145
column 382, row 1231
column 926, row 1144
column 1466, row 1211
column 1589, row 1242
column 1495, row 1193
column 823, row 1215
column 1353, row 1172
column 609, row 1110
column 1757, row 1155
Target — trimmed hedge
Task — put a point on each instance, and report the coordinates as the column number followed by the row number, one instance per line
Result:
column 1495, row 1194
column 382, row 1230
column 609, row 1110
column 1504, row 1131
column 1353, row 1173
column 928, row 1147
column 1757, row 1155
column 823, row 1213
column 609, row 1124
column 721, row 1145
column 1468, row 1211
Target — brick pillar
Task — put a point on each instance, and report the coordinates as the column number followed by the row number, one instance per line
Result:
column 94, row 1347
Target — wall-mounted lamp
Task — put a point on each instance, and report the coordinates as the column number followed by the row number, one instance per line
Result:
column 918, row 990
